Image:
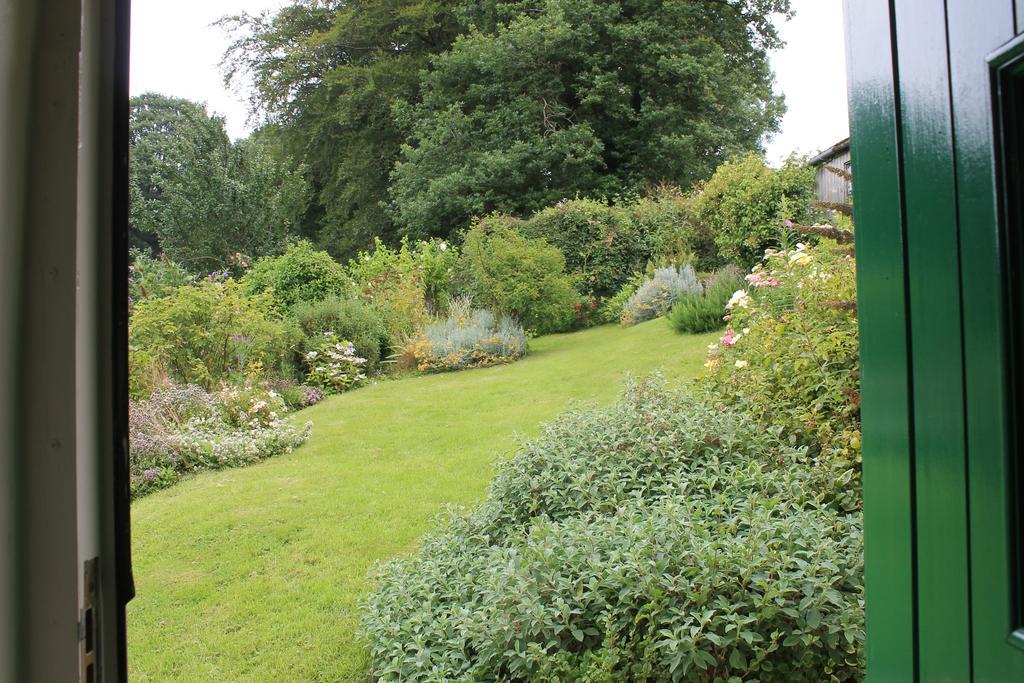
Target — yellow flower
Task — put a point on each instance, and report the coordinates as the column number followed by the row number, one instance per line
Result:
column 742, row 364
column 800, row 258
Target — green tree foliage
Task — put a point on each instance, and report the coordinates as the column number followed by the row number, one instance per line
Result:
column 513, row 274
column 200, row 198
column 301, row 274
column 328, row 73
column 601, row 243
column 746, row 204
column 584, row 97
column 537, row 101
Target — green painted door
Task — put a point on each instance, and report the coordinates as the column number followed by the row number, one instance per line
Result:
column 937, row 99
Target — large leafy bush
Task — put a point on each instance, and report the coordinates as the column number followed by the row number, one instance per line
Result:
column 469, row 338
column 203, row 333
column 301, row 274
column 405, row 285
column 663, row 538
column 154, row 277
column 790, row 355
column 658, row 293
column 526, row 278
column 602, row 244
column 350, row 319
column 183, row 429
column 746, row 204
column 677, row 235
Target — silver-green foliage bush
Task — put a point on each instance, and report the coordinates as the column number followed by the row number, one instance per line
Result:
column 469, row 337
column 659, row 539
column 656, row 296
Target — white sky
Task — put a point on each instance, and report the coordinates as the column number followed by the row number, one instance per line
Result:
column 176, row 51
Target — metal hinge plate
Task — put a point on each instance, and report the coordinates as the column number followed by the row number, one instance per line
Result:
column 88, row 631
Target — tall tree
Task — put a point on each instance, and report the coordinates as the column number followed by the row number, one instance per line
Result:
column 200, row 198
column 168, row 136
column 328, row 73
column 592, row 97
column 412, row 115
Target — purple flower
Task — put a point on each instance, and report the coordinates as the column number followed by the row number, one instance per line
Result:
column 151, row 475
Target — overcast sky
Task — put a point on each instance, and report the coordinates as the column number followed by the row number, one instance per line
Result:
column 176, row 51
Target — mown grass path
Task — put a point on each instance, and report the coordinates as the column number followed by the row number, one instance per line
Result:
column 255, row 574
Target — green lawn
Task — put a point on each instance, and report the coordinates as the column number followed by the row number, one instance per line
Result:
column 255, row 574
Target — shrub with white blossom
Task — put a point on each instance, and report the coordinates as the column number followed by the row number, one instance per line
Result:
column 334, row 365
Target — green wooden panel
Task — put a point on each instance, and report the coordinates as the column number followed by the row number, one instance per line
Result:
column 888, row 472
column 940, row 465
column 977, row 28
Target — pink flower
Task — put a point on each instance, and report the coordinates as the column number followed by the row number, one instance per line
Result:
column 729, row 339
column 759, row 279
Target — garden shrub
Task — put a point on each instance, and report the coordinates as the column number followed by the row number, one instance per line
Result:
column 704, row 312
column 151, row 277
column 662, row 538
column 656, row 296
column 602, row 244
column 183, row 429
column 301, row 274
column 295, row 396
column 405, row 284
column 746, row 204
column 350, row 319
column 611, row 310
column 790, row 355
column 469, row 338
column 676, row 234
column 204, row 333
column 334, row 365
column 519, row 276
column 433, row 262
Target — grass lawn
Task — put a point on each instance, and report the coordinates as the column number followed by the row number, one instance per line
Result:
column 255, row 574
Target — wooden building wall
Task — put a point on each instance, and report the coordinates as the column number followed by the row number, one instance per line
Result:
column 830, row 187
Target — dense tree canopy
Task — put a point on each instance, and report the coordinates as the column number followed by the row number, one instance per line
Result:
column 584, row 96
column 328, row 73
column 169, row 137
column 412, row 116
column 199, row 197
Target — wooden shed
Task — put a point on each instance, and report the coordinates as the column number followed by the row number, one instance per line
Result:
column 830, row 186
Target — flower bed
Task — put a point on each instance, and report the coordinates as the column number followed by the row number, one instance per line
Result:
column 184, row 429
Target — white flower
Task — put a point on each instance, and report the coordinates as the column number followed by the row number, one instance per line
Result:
column 443, row 246
column 311, row 355
column 742, row 364
column 712, row 347
column 746, row 330
column 739, row 298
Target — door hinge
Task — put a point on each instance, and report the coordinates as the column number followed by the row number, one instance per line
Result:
column 88, row 628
